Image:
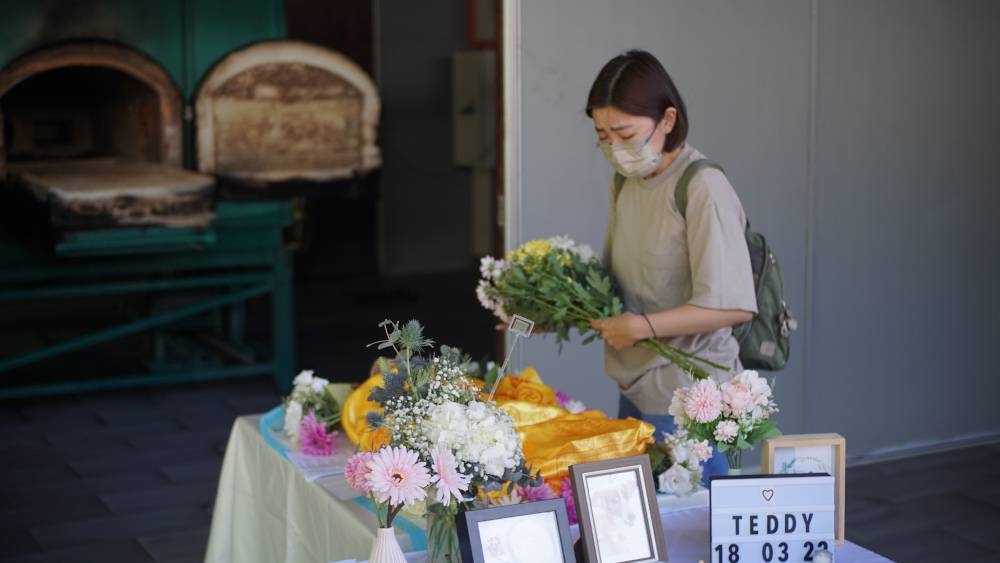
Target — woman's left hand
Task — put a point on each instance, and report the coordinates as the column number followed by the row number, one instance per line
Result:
column 621, row 331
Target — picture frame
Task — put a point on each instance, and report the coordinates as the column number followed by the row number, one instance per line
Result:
column 536, row 532
column 617, row 511
column 810, row 453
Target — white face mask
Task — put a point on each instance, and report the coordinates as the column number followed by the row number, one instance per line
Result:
column 634, row 159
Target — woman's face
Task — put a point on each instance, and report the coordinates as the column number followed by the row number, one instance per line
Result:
column 615, row 126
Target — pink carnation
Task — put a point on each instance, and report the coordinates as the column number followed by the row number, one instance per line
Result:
column 567, row 496
column 356, row 471
column 313, row 437
column 701, row 450
column 726, row 431
column 736, row 397
column 704, row 401
column 398, row 476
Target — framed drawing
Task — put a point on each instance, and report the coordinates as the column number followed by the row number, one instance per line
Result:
column 810, row 453
column 531, row 532
column 617, row 510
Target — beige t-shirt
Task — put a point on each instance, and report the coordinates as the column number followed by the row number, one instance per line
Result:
column 662, row 261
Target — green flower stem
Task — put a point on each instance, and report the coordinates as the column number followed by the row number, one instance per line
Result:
column 593, row 314
column 583, row 315
column 682, row 359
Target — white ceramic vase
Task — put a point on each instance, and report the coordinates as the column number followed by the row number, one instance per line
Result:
column 386, row 549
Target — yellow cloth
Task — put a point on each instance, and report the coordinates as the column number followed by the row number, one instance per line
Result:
column 552, row 438
column 354, row 412
column 553, row 445
column 527, row 386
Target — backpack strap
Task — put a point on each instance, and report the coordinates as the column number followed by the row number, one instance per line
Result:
column 681, row 191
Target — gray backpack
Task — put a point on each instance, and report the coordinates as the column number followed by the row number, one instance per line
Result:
column 764, row 339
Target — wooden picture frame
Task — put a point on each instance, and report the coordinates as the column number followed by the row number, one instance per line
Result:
column 536, row 531
column 612, row 496
column 810, row 453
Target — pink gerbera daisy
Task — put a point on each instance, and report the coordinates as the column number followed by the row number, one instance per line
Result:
column 356, row 471
column 397, row 476
column 450, row 483
column 314, row 438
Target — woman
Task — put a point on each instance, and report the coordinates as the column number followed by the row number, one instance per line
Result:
column 685, row 279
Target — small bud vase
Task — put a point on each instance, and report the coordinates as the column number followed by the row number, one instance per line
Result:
column 386, row 548
column 733, row 457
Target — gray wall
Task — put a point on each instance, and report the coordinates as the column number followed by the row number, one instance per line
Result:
column 426, row 198
column 860, row 137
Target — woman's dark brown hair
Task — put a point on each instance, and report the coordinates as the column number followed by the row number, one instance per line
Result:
column 637, row 84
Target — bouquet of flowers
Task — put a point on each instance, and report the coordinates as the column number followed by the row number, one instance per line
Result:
column 733, row 415
column 311, row 414
column 561, row 285
column 445, row 442
column 677, row 462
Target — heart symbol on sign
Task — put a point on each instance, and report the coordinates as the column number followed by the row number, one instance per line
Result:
column 768, row 494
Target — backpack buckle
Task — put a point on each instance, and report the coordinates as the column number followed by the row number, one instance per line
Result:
column 788, row 322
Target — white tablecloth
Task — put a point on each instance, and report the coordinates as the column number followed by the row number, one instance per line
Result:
column 266, row 512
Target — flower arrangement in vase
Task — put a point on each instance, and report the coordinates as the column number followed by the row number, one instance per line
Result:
column 732, row 416
column 444, row 443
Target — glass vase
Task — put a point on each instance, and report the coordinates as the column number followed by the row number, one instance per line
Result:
column 442, row 536
column 733, row 457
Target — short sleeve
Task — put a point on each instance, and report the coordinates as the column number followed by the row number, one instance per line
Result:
column 721, row 277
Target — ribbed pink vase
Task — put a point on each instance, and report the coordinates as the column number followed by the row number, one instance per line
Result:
column 386, row 549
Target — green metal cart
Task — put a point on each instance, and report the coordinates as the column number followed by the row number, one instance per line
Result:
column 240, row 256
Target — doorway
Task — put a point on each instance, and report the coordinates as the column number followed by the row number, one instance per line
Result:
column 410, row 246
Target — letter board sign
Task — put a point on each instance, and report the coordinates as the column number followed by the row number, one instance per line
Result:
column 771, row 518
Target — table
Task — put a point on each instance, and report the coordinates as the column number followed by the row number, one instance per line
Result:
column 265, row 511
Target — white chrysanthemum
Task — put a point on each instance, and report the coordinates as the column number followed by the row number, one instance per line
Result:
column 319, row 384
column 484, row 299
column 676, row 408
column 490, row 268
column 304, row 378
column 584, row 252
column 562, row 242
column 293, row 419
column 677, row 480
column 486, row 266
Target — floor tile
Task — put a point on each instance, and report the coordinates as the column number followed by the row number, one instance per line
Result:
column 117, row 528
column 128, row 551
column 112, row 464
column 199, row 494
column 194, row 472
column 176, row 546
